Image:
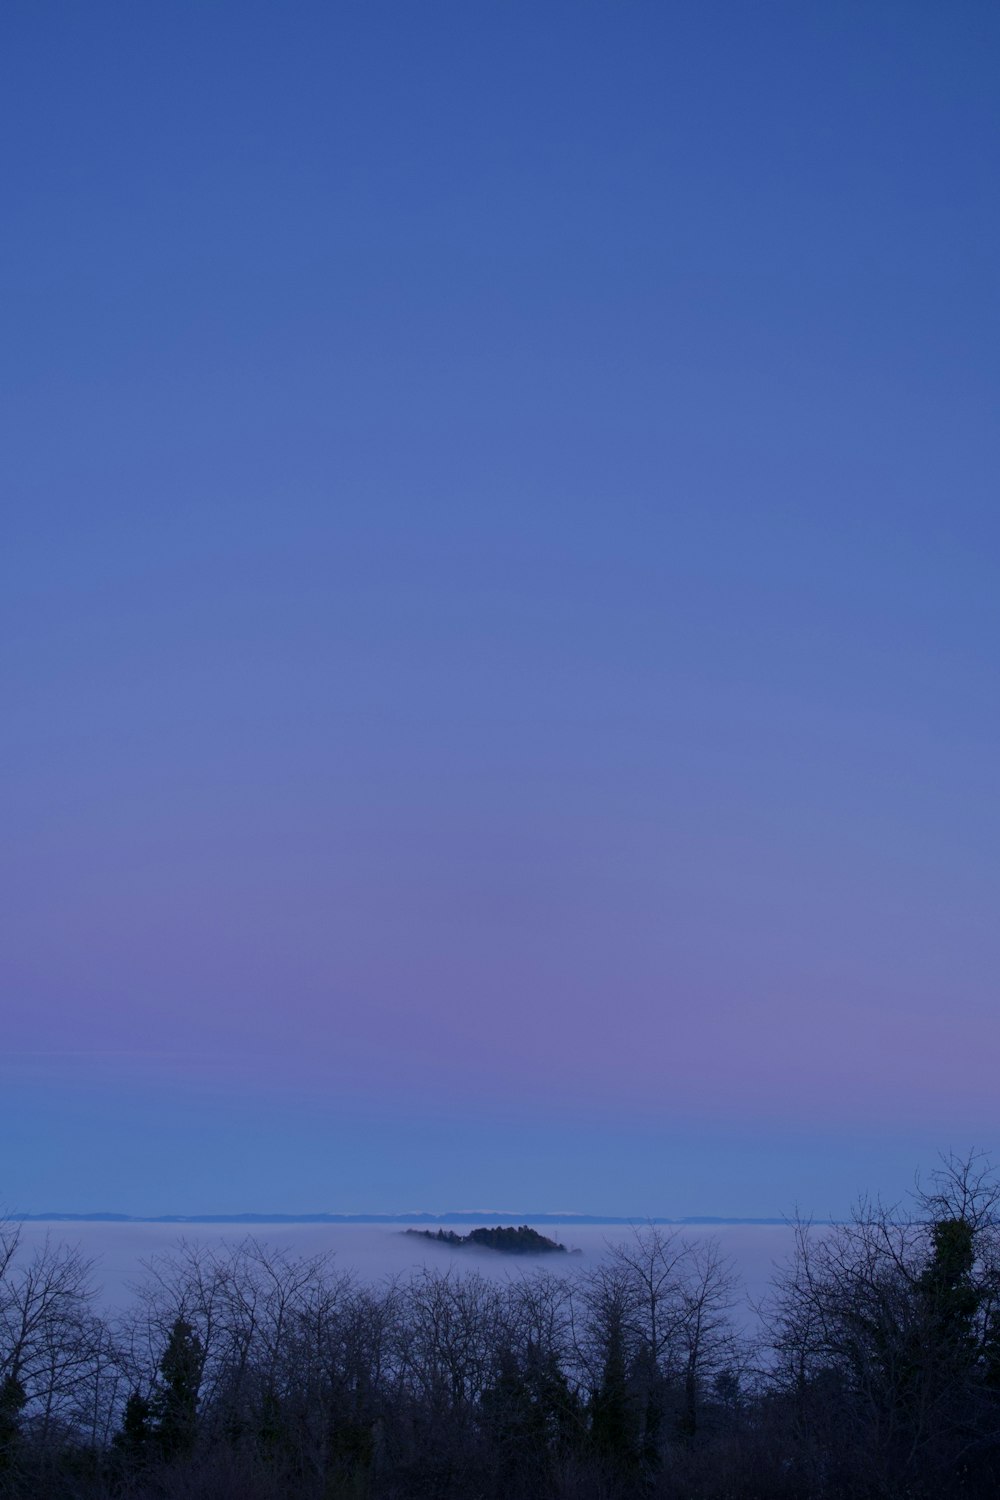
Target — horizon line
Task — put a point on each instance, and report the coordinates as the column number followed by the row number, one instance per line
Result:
column 456, row 1216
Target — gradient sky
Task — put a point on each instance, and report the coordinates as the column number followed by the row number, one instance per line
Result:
column 499, row 603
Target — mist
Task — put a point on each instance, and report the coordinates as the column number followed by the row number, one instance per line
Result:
column 374, row 1253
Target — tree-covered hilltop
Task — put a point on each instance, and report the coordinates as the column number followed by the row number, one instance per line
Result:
column 519, row 1241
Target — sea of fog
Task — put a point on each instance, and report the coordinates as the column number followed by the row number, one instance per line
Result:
column 376, row 1251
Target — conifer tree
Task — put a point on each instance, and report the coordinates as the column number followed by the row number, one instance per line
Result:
column 175, row 1401
column 12, row 1401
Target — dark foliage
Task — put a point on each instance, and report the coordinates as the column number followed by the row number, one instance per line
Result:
column 246, row 1374
column 520, row 1241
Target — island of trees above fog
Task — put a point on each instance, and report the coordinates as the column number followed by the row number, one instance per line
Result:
column 871, row 1370
column 507, row 1239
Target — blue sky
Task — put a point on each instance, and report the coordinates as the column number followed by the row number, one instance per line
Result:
column 499, row 603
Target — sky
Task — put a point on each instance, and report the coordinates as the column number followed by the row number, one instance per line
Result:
column 498, row 604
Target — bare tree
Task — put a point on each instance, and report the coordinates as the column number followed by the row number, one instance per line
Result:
column 48, row 1333
column 883, row 1330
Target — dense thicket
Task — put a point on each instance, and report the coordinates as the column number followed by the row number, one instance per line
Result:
column 504, row 1237
column 247, row 1374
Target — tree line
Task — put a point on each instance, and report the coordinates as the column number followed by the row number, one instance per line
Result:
column 872, row 1369
column 505, row 1238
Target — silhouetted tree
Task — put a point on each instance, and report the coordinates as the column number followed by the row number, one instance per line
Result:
column 175, row 1400
column 613, row 1416
column 12, row 1402
column 134, row 1438
column 250, row 1374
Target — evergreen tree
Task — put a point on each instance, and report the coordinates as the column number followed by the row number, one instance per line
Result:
column 136, row 1432
column 612, row 1418
column 175, row 1401
column 12, row 1402
column 950, row 1299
